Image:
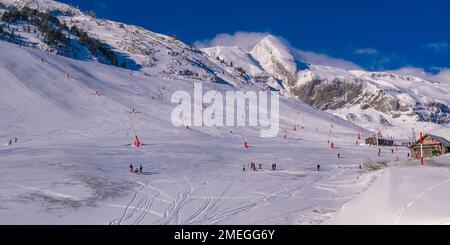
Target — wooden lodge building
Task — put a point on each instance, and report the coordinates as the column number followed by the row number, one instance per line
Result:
column 379, row 141
column 433, row 146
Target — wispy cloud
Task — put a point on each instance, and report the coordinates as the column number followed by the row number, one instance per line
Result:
column 366, row 51
column 437, row 46
column 245, row 40
column 443, row 74
column 323, row 59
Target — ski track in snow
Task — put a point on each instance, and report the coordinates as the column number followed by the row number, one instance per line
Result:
column 418, row 198
column 138, row 207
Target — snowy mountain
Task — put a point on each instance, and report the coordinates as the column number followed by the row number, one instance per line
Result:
column 370, row 99
column 276, row 59
column 374, row 99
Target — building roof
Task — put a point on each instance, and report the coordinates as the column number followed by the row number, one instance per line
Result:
column 379, row 138
column 443, row 141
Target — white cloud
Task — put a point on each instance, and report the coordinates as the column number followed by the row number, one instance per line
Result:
column 366, row 51
column 323, row 59
column 438, row 46
column 245, row 40
column 442, row 76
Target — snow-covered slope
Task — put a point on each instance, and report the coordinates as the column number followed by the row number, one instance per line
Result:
column 403, row 195
column 74, row 147
column 236, row 57
column 135, row 47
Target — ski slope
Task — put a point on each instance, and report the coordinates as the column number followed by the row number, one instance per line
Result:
column 395, row 199
column 70, row 165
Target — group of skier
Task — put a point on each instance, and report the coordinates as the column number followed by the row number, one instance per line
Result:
column 274, row 167
column 253, row 167
column 12, row 141
column 139, row 170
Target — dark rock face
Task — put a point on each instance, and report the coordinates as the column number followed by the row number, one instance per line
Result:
column 329, row 95
column 337, row 94
column 285, row 74
column 433, row 112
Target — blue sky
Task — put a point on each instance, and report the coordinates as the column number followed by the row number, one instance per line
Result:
column 376, row 35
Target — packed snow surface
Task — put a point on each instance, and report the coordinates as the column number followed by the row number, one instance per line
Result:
column 403, row 195
column 70, row 165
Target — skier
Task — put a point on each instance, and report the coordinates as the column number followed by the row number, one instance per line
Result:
column 246, row 146
column 15, row 140
column 339, row 155
column 136, row 171
column 141, row 169
column 131, row 168
column 318, row 168
column 244, row 168
column 10, row 142
column 260, row 166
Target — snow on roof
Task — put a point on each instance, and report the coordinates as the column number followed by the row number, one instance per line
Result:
column 444, row 141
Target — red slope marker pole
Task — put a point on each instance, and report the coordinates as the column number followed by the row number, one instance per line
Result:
column 422, row 162
column 137, row 142
column 246, row 145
